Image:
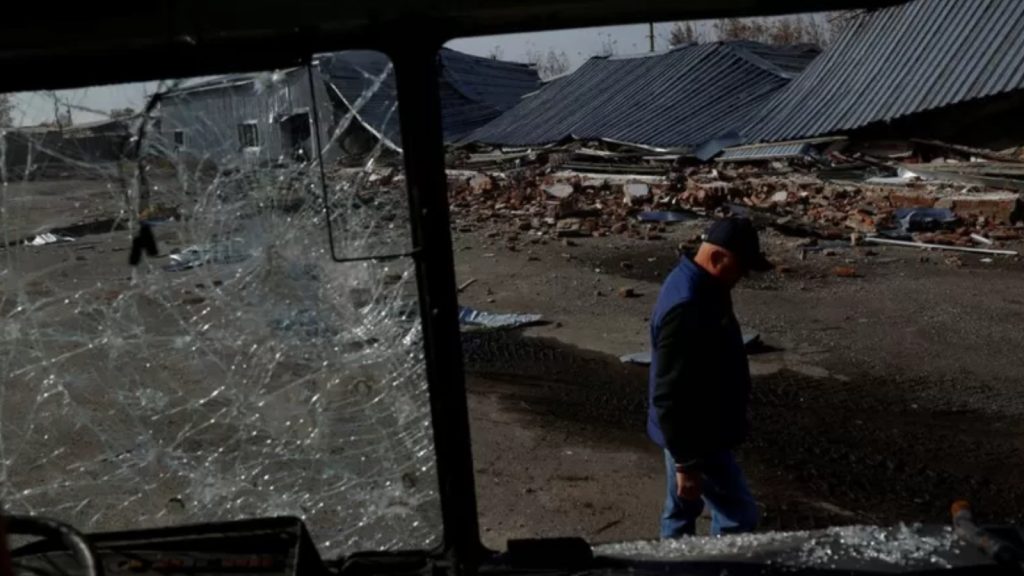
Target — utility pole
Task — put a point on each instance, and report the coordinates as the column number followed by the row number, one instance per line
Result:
column 651, row 35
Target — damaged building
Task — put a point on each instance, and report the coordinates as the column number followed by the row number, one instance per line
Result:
column 938, row 69
column 262, row 118
column 474, row 90
column 678, row 99
column 39, row 151
column 267, row 116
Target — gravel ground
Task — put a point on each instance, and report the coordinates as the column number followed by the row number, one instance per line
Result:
column 878, row 398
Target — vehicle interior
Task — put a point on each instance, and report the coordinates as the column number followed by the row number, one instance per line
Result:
column 301, row 407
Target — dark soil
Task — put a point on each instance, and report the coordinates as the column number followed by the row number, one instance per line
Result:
column 824, row 451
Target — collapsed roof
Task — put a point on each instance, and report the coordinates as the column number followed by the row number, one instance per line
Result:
column 898, row 61
column 680, row 98
column 474, row 90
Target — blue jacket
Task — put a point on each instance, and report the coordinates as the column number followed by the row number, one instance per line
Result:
column 699, row 386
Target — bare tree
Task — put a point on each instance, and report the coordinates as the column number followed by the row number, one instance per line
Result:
column 683, row 33
column 609, row 45
column 839, row 21
column 779, row 31
column 549, row 64
column 6, row 111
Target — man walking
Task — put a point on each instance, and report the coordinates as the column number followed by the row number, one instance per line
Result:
column 700, row 383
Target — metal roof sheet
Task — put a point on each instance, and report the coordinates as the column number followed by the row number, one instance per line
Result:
column 783, row 150
column 897, row 61
column 474, row 90
column 678, row 98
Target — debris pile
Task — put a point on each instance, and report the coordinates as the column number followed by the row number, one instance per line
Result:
column 913, row 191
column 558, row 205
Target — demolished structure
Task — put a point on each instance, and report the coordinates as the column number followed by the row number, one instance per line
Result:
column 263, row 118
column 677, row 99
column 474, row 90
column 858, row 143
column 938, row 69
column 33, row 151
column 355, row 93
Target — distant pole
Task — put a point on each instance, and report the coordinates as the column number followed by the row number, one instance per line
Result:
column 651, row 35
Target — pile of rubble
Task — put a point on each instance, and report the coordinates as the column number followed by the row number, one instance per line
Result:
column 559, row 206
column 935, row 200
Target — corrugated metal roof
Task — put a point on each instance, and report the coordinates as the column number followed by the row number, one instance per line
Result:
column 474, row 90
column 774, row 150
column 678, row 98
column 898, row 61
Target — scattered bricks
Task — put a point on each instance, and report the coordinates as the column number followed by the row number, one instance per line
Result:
column 481, row 183
column 568, row 227
column 845, row 272
column 998, row 207
column 560, row 190
column 944, row 238
column 1004, row 234
column 861, row 222
column 636, row 192
column 627, row 292
column 912, row 199
column 588, row 227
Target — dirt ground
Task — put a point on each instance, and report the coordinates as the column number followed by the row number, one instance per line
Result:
column 877, row 398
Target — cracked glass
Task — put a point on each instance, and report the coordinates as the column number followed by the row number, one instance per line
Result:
column 180, row 341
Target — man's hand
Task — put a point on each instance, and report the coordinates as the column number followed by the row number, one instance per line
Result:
column 688, row 485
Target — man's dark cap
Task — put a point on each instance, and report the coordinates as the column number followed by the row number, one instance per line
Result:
column 738, row 235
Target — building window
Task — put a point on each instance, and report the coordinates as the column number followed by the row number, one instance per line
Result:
column 179, row 138
column 249, row 135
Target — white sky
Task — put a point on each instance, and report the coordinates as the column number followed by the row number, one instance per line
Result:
column 578, row 44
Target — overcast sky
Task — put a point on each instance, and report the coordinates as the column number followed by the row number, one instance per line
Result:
column 578, row 45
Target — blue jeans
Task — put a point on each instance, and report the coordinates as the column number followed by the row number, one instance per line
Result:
column 733, row 508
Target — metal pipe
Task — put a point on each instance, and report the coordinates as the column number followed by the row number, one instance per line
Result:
column 888, row 242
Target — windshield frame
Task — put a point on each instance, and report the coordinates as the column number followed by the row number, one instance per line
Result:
column 411, row 34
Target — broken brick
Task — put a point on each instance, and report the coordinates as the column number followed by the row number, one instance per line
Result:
column 627, row 292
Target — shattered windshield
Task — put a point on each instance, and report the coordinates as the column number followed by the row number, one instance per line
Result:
column 181, row 343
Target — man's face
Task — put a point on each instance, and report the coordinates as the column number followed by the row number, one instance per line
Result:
column 730, row 270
